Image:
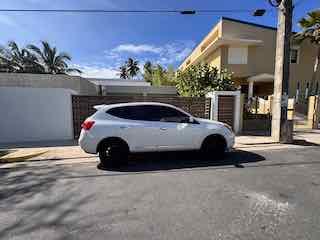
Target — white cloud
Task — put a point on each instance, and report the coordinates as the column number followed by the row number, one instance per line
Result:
column 142, row 48
column 183, row 54
column 166, row 54
column 97, row 71
column 175, row 52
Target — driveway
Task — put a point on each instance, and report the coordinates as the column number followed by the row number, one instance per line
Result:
column 255, row 193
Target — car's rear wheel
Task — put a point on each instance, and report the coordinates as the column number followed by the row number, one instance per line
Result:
column 214, row 146
column 113, row 153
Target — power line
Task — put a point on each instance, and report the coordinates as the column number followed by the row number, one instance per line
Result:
column 128, row 11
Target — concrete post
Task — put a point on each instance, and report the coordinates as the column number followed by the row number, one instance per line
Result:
column 316, row 118
column 280, row 126
column 242, row 99
column 250, row 90
column 313, row 112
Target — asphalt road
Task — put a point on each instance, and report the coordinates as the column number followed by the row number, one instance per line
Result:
column 265, row 194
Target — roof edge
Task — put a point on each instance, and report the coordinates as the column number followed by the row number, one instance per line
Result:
column 248, row 23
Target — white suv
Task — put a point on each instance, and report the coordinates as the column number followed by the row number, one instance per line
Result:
column 118, row 129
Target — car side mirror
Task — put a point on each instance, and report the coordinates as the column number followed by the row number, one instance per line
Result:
column 192, row 120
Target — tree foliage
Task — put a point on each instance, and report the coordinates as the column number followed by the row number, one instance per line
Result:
column 148, row 71
column 20, row 60
column 198, row 80
column 53, row 61
column 32, row 59
column 132, row 67
column 310, row 30
column 129, row 69
column 123, row 72
column 158, row 75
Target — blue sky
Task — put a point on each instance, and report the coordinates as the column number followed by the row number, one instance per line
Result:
column 100, row 43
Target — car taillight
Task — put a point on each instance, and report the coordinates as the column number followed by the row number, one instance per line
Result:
column 87, row 125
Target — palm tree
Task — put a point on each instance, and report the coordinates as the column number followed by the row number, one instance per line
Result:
column 53, row 62
column 310, row 26
column 5, row 59
column 132, row 67
column 14, row 59
column 123, row 72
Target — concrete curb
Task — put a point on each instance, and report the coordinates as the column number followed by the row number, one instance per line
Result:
column 19, row 156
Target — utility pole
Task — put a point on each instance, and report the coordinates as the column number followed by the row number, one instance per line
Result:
column 282, row 128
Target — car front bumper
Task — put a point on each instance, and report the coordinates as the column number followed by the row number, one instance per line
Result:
column 230, row 138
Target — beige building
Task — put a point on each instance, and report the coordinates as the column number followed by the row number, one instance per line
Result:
column 248, row 51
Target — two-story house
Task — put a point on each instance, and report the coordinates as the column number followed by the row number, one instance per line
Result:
column 248, row 51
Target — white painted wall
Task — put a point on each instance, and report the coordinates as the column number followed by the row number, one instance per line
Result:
column 35, row 114
column 214, row 95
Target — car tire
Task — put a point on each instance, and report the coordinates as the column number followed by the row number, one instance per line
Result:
column 213, row 147
column 113, row 153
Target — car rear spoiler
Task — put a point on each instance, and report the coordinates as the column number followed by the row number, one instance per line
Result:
column 97, row 107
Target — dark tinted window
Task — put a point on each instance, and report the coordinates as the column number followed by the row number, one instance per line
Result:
column 168, row 114
column 129, row 112
column 294, row 55
column 149, row 113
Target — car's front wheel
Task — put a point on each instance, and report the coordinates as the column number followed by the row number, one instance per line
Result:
column 213, row 146
column 113, row 153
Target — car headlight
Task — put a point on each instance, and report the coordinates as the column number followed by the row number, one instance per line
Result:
column 228, row 126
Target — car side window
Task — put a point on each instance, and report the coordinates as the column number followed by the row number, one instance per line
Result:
column 149, row 113
column 172, row 115
column 128, row 112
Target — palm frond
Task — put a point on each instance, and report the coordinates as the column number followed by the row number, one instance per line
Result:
column 71, row 70
column 36, row 50
column 64, row 55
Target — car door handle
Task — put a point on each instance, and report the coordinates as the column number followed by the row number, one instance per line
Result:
column 124, row 127
column 163, row 128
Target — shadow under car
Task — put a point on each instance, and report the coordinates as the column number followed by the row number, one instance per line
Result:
column 187, row 159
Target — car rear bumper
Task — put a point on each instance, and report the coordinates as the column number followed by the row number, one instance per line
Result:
column 87, row 142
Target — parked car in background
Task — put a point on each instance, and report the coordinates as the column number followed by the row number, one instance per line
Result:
column 116, row 130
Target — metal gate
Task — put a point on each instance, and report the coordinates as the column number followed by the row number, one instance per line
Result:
column 226, row 109
column 82, row 106
column 257, row 116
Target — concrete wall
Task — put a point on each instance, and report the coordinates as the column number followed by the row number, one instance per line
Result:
column 214, row 59
column 35, row 114
column 302, row 71
column 212, row 36
column 118, row 82
column 139, row 90
column 260, row 58
column 75, row 83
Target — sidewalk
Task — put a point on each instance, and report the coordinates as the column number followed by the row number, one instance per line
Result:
column 71, row 153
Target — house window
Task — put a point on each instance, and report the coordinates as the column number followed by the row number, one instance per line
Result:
column 238, row 55
column 294, row 54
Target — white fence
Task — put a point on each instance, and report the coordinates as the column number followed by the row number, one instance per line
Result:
column 236, row 114
column 35, row 114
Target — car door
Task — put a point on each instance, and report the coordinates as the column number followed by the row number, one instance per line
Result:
column 176, row 131
column 136, row 128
